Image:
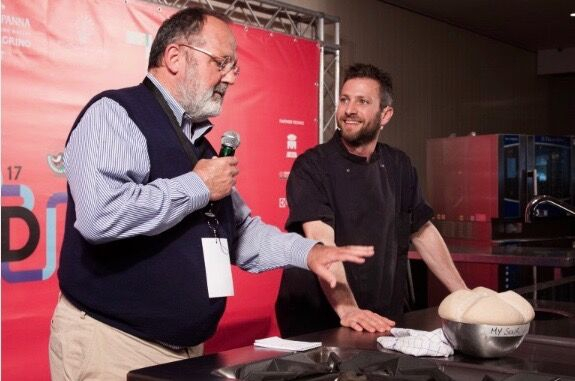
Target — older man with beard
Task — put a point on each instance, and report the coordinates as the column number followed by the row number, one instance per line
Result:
column 151, row 206
column 356, row 190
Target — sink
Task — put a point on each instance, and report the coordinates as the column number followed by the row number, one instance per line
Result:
column 559, row 232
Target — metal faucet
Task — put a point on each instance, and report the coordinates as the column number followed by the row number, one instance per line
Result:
column 530, row 208
column 544, row 199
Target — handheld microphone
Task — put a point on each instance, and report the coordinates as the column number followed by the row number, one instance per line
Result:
column 230, row 142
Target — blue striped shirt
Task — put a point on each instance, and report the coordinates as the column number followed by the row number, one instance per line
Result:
column 107, row 167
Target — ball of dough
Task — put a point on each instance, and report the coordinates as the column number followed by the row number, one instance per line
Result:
column 520, row 304
column 484, row 291
column 485, row 306
column 455, row 304
column 492, row 310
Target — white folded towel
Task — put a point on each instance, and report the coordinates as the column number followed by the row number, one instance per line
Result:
column 417, row 343
column 286, row 345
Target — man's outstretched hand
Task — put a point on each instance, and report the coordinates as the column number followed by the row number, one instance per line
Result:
column 365, row 320
column 321, row 258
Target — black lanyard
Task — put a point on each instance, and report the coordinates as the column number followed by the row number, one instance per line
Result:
column 184, row 141
column 208, row 211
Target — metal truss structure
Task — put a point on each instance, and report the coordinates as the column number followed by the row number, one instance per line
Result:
column 292, row 20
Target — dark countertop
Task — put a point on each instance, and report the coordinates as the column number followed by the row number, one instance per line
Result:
column 509, row 255
column 548, row 348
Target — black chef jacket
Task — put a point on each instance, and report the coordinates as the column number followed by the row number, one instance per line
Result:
column 367, row 202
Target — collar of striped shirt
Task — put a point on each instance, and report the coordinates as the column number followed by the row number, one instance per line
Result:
column 199, row 129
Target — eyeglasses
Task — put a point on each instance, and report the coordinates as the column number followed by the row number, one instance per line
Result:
column 225, row 64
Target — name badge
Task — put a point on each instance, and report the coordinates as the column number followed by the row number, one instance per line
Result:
column 218, row 267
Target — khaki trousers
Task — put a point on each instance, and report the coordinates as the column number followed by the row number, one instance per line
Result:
column 83, row 348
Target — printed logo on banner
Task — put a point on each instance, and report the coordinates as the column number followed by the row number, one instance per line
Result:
column 24, row 214
column 283, row 175
column 291, row 146
column 56, row 163
column 16, row 30
column 283, row 202
column 291, row 122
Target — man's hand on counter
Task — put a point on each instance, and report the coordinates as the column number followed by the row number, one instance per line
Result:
column 321, row 258
column 365, row 320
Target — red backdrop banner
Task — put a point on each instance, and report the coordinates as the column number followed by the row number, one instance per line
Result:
column 57, row 54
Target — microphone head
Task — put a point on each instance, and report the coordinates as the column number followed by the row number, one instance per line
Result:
column 231, row 139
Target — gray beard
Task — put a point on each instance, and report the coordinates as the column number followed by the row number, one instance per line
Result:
column 201, row 106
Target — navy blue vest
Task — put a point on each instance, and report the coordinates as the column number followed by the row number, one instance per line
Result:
column 151, row 287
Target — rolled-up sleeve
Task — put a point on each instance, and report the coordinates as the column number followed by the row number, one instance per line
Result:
column 421, row 212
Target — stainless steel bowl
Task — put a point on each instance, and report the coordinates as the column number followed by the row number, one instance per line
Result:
column 483, row 340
